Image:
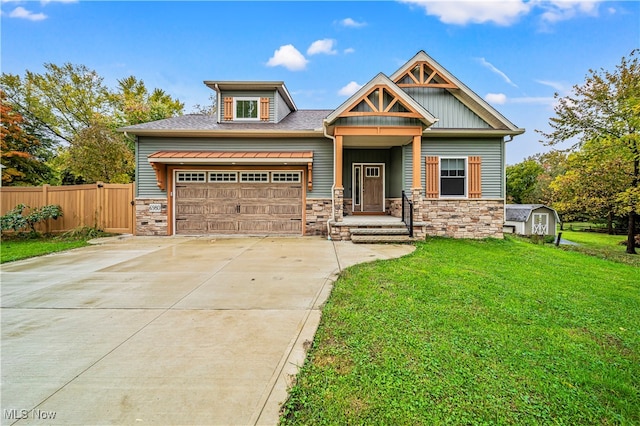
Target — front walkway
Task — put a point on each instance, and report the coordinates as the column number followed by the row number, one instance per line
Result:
column 167, row 330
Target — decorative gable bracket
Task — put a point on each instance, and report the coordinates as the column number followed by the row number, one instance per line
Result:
column 380, row 100
column 422, row 74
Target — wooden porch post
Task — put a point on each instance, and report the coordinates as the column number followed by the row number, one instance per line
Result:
column 338, row 163
column 417, row 164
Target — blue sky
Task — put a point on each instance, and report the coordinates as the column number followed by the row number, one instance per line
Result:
column 514, row 53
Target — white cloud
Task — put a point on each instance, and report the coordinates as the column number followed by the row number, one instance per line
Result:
column 560, row 87
column 288, row 57
column 561, row 10
column 504, row 12
column 351, row 23
column 349, row 50
column 22, row 13
column 501, row 12
column 496, row 98
column 495, row 70
column 325, row 46
column 349, row 89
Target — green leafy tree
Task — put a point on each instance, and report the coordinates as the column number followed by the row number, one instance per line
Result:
column 521, row 180
column 596, row 175
column 604, row 110
column 100, row 154
column 61, row 101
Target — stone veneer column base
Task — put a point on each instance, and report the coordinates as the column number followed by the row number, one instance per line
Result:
column 317, row 215
column 151, row 223
column 472, row 218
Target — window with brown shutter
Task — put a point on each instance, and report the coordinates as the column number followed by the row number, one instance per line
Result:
column 453, row 177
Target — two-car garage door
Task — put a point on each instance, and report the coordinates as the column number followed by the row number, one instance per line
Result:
column 238, row 202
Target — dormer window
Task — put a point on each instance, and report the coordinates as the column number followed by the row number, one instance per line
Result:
column 246, row 108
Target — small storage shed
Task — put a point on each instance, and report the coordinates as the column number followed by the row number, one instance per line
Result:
column 530, row 219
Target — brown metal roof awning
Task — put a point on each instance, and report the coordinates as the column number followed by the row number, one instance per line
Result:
column 230, row 157
column 160, row 159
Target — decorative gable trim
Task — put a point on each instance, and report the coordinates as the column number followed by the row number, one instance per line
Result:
column 422, row 74
column 381, row 97
column 407, row 76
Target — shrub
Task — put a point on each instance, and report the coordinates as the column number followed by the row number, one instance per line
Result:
column 17, row 220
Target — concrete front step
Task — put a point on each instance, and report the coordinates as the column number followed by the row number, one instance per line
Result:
column 402, row 230
column 377, row 239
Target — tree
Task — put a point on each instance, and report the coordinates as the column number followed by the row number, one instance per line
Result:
column 100, row 154
column 601, row 111
column 71, row 106
column 595, row 176
column 60, row 102
column 23, row 155
column 521, row 180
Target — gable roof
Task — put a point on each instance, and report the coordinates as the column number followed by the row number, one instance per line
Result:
column 382, row 82
column 444, row 79
column 522, row 212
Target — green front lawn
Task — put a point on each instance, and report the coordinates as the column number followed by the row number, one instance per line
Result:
column 476, row 332
column 601, row 245
column 16, row 249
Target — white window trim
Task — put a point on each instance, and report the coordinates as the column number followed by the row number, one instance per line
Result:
column 246, row 98
column 466, row 177
column 545, row 227
column 298, row 175
column 192, row 172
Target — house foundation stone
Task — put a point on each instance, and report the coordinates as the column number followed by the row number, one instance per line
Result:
column 463, row 218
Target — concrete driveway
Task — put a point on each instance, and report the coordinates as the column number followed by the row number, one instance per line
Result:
column 170, row 330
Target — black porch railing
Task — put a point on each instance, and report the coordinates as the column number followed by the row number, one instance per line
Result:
column 407, row 213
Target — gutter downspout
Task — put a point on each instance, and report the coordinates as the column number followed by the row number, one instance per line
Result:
column 333, row 186
column 504, row 176
column 217, row 90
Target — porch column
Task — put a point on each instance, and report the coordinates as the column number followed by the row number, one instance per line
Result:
column 338, row 163
column 417, row 162
column 338, row 193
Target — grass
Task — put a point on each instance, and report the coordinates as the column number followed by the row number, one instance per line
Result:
column 601, row 245
column 476, row 332
column 17, row 247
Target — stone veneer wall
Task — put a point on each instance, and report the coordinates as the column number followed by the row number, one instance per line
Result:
column 148, row 223
column 464, row 218
column 318, row 213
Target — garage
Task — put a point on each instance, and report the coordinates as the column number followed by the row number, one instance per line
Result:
column 238, row 202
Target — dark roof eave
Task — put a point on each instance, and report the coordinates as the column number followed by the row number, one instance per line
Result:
column 224, row 133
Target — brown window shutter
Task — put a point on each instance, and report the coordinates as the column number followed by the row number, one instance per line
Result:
column 228, row 109
column 433, row 180
column 264, row 109
column 475, row 177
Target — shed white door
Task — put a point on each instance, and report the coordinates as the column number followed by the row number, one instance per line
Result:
column 540, row 224
column 252, row 202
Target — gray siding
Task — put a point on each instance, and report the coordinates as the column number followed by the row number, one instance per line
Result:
column 282, row 109
column 452, row 113
column 258, row 94
column 489, row 149
column 322, row 148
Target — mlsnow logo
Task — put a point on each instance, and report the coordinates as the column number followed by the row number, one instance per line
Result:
column 16, row 414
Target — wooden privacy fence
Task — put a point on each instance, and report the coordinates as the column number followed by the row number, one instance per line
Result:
column 107, row 206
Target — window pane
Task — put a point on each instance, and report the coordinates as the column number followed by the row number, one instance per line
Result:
column 246, row 109
column 452, row 186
